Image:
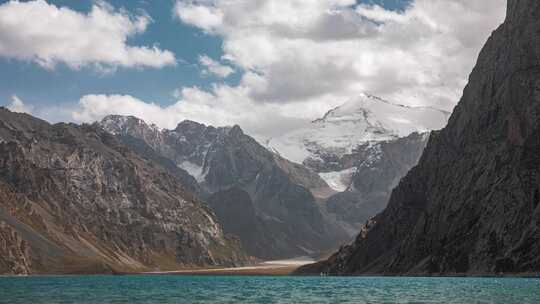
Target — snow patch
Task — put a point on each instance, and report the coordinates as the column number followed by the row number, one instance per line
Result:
column 194, row 170
column 339, row 180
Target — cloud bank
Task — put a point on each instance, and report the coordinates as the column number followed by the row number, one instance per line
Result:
column 296, row 50
column 46, row 34
column 301, row 57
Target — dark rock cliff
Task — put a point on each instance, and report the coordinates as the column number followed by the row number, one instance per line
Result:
column 239, row 217
column 73, row 199
column 471, row 206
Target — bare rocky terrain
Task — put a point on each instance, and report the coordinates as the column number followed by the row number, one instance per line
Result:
column 270, row 203
column 73, row 199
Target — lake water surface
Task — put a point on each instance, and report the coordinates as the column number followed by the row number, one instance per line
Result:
column 238, row 289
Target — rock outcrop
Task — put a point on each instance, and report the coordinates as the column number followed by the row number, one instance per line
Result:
column 279, row 197
column 73, row 199
column 471, row 206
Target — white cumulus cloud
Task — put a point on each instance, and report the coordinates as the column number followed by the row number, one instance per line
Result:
column 302, row 50
column 47, row 34
column 300, row 58
column 210, row 66
column 222, row 106
column 206, row 16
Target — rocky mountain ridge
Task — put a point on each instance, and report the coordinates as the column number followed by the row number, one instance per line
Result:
column 73, row 199
column 287, row 215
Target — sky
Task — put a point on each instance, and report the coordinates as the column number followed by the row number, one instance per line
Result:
column 270, row 66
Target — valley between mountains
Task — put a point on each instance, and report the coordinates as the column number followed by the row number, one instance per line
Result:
column 409, row 190
column 122, row 195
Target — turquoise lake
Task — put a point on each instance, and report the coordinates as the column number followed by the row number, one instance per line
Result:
column 231, row 289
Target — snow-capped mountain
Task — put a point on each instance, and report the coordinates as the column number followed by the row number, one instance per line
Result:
column 361, row 149
column 327, row 145
column 365, row 119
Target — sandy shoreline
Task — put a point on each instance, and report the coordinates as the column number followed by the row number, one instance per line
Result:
column 271, row 268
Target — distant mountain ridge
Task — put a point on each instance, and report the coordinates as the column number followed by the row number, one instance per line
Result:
column 288, row 218
column 340, row 186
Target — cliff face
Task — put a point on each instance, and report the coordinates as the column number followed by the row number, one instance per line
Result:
column 280, row 210
column 471, row 206
column 75, row 200
column 239, row 217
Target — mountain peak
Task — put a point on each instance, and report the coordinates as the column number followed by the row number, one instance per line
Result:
column 116, row 123
column 395, row 119
column 236, row 131
column 364, row 119
column 122, row 118
column 189, row 125
column 356, row 104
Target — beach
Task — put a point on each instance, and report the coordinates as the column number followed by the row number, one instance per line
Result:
column 268, row 268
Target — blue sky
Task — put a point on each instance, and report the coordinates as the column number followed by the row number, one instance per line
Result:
column 38, row 86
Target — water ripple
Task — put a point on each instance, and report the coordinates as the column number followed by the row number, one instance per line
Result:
column 230, row 289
